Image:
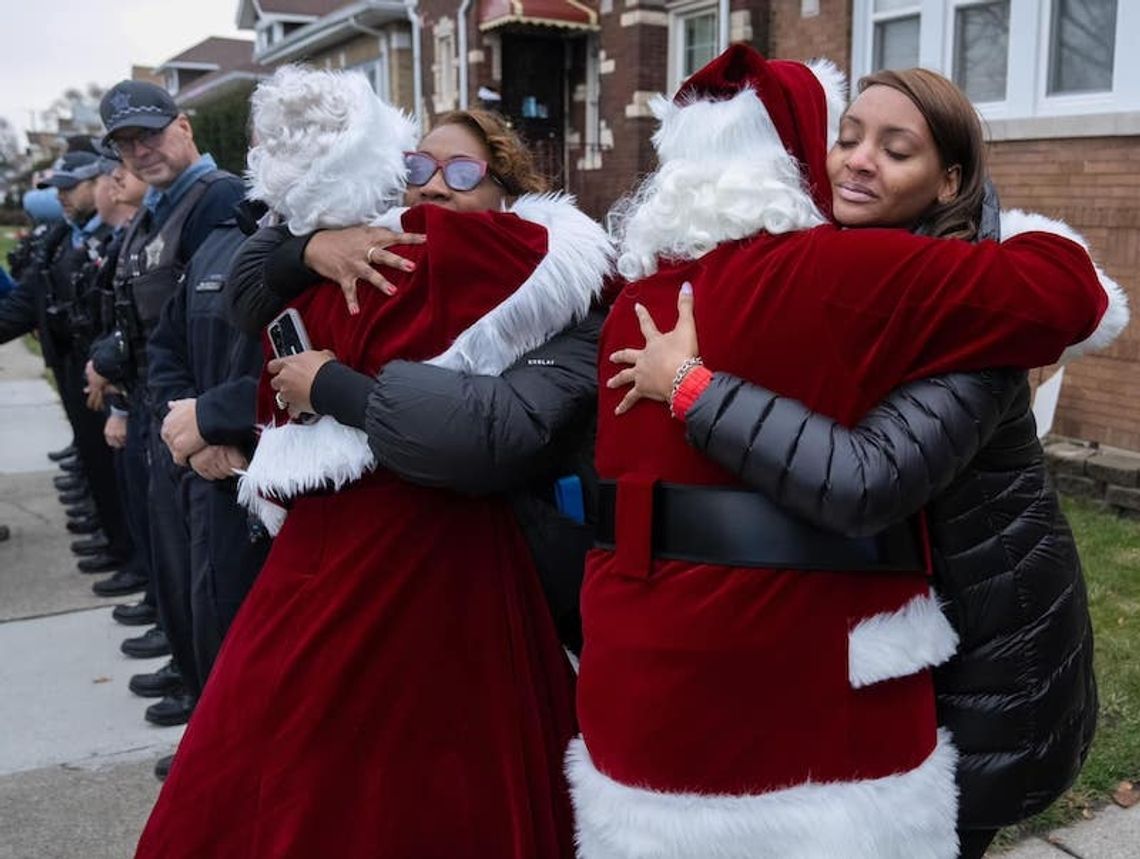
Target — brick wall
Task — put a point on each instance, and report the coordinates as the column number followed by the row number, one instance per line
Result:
column 795, row 37
column 1094, row 185
column 635, row 60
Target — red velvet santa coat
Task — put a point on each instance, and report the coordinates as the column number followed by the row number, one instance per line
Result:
column 765, row 712
column 394, row 685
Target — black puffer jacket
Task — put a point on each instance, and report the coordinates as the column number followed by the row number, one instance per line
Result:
column 1019, row 697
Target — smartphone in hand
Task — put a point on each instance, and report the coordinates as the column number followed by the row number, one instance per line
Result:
column 287, row 336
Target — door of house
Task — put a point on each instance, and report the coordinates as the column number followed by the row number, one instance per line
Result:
column 534, row 96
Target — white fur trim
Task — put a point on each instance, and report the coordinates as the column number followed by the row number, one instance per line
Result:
column 910, row 815
column 557, row 293
column 329, row 152
column 834, row 84
column 1015, row 222
column 724, row 175
column 898, row 643
column 293, row 459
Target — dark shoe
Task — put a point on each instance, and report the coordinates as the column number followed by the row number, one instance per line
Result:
column 101, row 563
column 172, row 710
column 150, row 644
column 96, row 544
column 68, row 482
column 162, row 767
column 60, row 455
column 72, row 466
column 86, row 525
column 138, row 614
column 75, row 496
column 80, row 511
column 122, row 583
column 167, row 680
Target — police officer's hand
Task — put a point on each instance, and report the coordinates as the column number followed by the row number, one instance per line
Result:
column 293, row 379
column 180, row 430
column 217, row 462
column 115, row 431
column 96, row 388
column 350, row 255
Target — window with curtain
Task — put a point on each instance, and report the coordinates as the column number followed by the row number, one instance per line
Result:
column 1082, row 42
column 981, row 49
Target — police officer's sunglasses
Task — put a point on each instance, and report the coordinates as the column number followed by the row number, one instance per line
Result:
column 461, row 173
column 147, row 137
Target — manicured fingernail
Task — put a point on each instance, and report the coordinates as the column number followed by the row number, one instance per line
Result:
column 686, row 288
column 353, row 309
column 409, row 265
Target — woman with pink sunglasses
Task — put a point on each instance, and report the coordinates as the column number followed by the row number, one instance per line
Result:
column 394, row 684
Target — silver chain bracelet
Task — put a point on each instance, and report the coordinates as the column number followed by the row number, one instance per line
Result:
column 686, row 367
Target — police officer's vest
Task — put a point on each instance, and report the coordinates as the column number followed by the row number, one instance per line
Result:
column 150, row 263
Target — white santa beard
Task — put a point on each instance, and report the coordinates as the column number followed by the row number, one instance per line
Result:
column 690, row 206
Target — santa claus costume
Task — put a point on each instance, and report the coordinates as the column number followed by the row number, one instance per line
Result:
column 393, row 685
column 749, row 687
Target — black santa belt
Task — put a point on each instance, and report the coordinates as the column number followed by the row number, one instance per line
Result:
column 641, row 519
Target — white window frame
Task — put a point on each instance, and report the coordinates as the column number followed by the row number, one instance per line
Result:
column 679, row 12
column 1027, row 111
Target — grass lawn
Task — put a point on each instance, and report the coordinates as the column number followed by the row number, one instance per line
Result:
column 1110, row 552
column 7, row 240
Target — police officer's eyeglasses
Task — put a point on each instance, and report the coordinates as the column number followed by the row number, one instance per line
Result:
column 461, row 173
column 147, row 137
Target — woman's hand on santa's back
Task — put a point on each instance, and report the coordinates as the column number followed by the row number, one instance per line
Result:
column 349, row 255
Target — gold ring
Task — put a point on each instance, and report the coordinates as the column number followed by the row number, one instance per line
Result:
column 280, row 400
column 368, row 256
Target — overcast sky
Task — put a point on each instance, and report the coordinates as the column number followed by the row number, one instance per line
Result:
column 52, row 45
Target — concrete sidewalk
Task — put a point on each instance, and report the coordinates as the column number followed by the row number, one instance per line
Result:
column 76, row 755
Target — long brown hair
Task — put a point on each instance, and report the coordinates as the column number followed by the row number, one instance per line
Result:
column 511, row 161
column 957, row 134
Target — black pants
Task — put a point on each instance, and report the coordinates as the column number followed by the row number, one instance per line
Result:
column 133, row 481
column 170, row 555
column 95, row 456
column 973, row 843
column 224, row 561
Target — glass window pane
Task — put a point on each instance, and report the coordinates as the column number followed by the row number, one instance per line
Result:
column 896, row 44
column 700, row 42
column 1082, row 44
column 981, row 50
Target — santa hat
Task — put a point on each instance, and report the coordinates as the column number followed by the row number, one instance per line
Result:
column 328, row 152
column 800, row 103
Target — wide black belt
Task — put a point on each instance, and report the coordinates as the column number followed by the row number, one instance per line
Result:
column 740, row 528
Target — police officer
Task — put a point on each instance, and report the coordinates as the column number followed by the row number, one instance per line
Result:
column 207, row 370
column 55, row 297
column 118, row 196
column 187, row 198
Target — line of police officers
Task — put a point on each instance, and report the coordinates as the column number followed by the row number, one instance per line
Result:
column 127, row 295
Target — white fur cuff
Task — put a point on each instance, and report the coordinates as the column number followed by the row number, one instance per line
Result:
column 909, row 815
column 900, row 643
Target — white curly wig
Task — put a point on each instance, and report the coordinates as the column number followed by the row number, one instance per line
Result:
column 329, row 152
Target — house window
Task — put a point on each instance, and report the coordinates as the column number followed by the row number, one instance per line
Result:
column 694, row 39
column 1017, row 60
column 1082, row 42
column 896, row 31
column 981, row 49
column 445, row 69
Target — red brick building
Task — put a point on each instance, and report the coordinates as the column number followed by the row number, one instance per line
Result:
column 1054, row 80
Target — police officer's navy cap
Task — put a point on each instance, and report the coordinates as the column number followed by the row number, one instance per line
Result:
column 71, row 169
column 136, row 104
